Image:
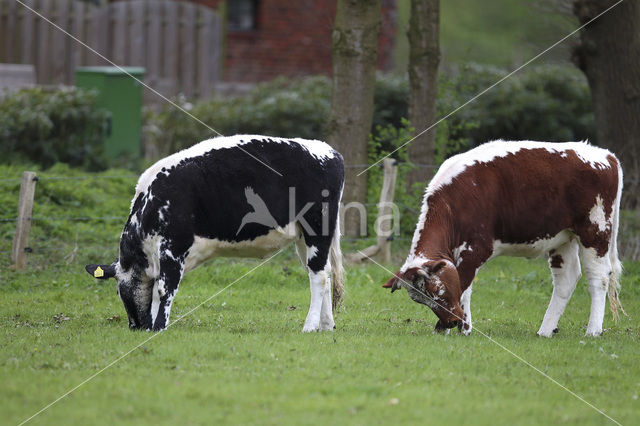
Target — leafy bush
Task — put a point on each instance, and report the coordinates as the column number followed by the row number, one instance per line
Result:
column 390, row 101
column 48, row 126
column 544, row 103
column 281, row 107
column 547, row 103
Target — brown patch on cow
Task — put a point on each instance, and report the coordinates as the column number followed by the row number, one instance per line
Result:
column 555, row 261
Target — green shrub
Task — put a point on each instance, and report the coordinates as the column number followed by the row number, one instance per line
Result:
column 544, row 103
column 281, row 107
column 47, row 126
column 547, row 103
column 390, row 101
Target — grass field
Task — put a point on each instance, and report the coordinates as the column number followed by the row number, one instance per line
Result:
column 241, row 358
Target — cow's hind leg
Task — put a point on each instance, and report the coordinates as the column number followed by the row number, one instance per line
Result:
column 598, row 270
column 564, row 263
column 320, row 316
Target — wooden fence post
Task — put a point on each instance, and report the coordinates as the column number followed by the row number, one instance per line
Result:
column 383, row 225
column 23, row 224
column 384, row 222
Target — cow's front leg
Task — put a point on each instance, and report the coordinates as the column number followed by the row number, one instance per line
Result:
column 164, row 291
column 465, row 301
column 319, row 283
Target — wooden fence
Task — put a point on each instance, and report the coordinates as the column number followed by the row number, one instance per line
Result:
column 179, row 43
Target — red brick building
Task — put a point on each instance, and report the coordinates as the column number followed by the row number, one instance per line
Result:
column 270, row 38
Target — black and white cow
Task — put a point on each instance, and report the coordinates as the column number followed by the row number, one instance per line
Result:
column 245, row 196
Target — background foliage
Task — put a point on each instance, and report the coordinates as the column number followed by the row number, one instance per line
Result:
column 545, row 103
column 46, row 126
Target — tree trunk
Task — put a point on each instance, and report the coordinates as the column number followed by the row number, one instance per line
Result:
column 354, row 52
column 424, row 57
column 609, row 55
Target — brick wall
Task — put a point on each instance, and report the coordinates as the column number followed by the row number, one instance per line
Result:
column 293, row 38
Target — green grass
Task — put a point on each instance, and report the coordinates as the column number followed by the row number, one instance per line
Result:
column 241, row 357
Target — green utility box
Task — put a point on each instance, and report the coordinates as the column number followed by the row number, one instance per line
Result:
column 121, row 95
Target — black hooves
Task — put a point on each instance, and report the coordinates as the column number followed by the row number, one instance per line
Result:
column 555, row 330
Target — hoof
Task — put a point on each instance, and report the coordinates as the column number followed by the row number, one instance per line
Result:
column 464, row 328
column 555, row 330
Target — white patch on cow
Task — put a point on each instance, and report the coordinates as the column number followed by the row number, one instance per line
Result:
column 163, row 210
column 457, row 252
column 168, row 253
column 264, row 245
column 122, row 275
column 465, row 301
column 413, row 262
column 419, row 227
column 134, row 221
column 597, row 215
column 155, row 300
column 311, row 253
column 532, row 249
column 318, row 149
column 151, row 248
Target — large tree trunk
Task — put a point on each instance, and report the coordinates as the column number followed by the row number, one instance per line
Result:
column 424, row 57
column 609, row 55
column 354, row 52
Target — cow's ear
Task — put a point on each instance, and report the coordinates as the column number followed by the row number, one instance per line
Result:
column 393, row 282
column 434, row 266
column 102, row 272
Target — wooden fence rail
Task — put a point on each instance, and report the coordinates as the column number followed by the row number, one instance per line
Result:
column 179, row 43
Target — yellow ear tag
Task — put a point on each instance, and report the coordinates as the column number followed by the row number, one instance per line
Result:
column 98, row 272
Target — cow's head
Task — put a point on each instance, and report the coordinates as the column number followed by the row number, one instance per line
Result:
column 135, row 292
column 436, row 284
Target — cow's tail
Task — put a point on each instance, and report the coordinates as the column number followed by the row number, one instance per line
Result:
column 337, row 271
column 616, row 265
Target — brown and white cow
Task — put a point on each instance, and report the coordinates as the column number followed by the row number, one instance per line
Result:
column 517, row 199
